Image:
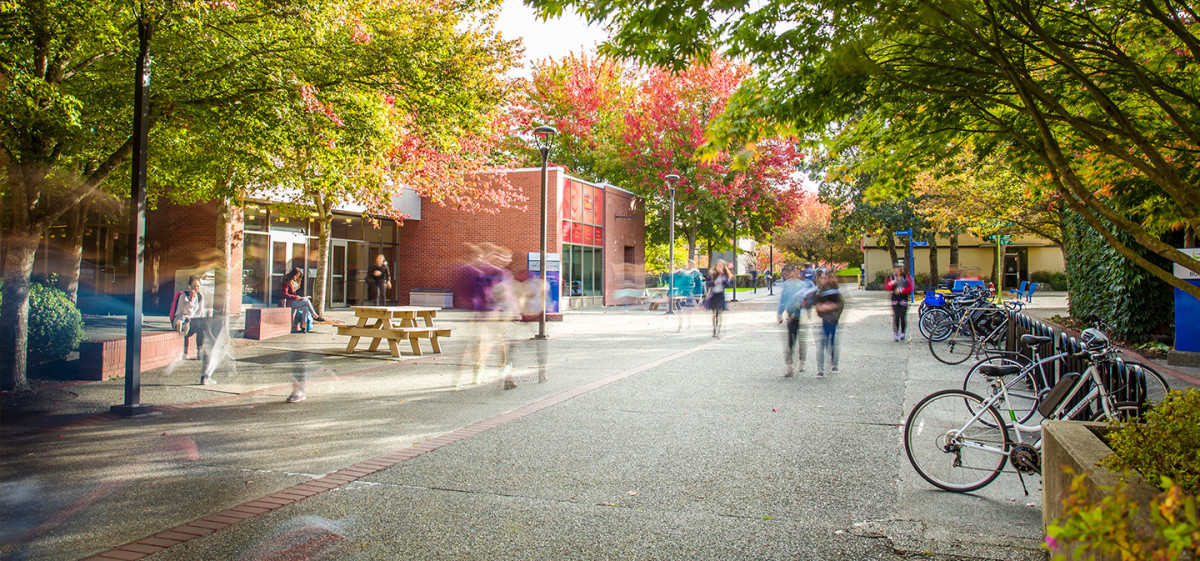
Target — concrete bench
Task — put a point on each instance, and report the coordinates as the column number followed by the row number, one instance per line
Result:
column 104, row 359
column 653, row 303
column 266, row 323
column 393, row 335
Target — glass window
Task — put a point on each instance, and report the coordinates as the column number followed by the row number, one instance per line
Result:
column 255, row 219
column 293, row 225
column 598, row 273
column 347, row 227
column 254, row 270
column 356, row 272
column 576, row 271
column 586, row 270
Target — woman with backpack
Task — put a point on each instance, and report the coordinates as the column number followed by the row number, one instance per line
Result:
column 899, row 286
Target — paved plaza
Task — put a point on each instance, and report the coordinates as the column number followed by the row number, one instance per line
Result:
column 649, row 439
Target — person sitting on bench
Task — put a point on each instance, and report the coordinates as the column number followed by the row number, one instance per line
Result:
column 187, row 318
column 291, row 294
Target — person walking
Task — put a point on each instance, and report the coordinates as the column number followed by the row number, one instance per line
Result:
column 380, row 277
column 290, row 289
column 899, row 286
column 720, row 278
column 828, row 304
column 795, row 294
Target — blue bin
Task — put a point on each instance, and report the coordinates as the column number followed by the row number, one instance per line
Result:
column 934, row 298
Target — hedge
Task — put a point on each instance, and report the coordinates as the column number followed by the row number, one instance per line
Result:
column 55, row 324
column 1105, row 284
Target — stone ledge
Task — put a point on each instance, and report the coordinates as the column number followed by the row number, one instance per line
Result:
column 1183, row 358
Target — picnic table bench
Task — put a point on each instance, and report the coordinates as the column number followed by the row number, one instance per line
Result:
column 394, row 324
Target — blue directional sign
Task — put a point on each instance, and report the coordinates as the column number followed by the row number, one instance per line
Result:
column 920, row 244
column 907, row 232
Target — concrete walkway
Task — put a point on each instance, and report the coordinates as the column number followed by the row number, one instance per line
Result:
column 649, row 440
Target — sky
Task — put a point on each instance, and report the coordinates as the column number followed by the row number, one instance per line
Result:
column 554, row 38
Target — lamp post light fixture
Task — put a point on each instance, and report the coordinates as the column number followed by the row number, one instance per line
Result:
column 671, row 179
column 543, row 137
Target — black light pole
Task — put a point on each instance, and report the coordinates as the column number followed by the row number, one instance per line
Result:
column 671, row 179
column 543, row 136
column 137, row 224
column 771, row 283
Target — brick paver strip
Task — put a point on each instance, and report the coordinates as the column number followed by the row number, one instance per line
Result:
column 205, row 525
column 142, row 548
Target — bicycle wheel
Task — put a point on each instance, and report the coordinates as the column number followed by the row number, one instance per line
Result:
column 929, row 321
column 1023, row 396
column 955, row 348
column 942, row 327
column 1156, row 384
column 941, row 445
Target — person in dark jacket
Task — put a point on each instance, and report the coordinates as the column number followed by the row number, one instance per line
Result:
column 380, row 277
column 900, row 287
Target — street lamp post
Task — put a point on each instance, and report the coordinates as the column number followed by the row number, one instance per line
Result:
column 543, row 136
column 137, row 223
column 671, row 179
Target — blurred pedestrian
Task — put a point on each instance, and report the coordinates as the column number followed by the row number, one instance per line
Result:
column 187, row 317
column 794, row 296
column 899, row 287
column 828, row 304
column 718, row 281
column 380, row 277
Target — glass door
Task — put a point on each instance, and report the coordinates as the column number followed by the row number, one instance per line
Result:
column 337, row 274
column 287, row 251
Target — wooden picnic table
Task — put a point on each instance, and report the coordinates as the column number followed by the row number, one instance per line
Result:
column 394, row 323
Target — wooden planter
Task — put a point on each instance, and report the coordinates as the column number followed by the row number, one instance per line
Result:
column 1078, row 445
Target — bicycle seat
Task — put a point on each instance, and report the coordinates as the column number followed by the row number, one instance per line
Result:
column 1031, row 340
column 993, row 371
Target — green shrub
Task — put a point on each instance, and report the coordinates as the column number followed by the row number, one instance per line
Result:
column 1166, row 443
column 1109, row 528
column 55, row 324
column 1105, row 284
column 881, row 277
column 1049, row 281
column 849, row 272
column 922, row 280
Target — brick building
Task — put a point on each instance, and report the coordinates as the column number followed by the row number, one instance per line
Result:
column 597, row 229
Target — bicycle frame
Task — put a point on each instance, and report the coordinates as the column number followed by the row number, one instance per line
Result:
column 1092, row 374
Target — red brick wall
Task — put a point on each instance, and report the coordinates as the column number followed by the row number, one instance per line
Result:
column 432, row 249
column 630, row 230
column 185, row 237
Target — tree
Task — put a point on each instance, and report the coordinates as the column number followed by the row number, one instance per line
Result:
column 1089, row 93
column 67, row 74
column 635, row 127
column 812, row 238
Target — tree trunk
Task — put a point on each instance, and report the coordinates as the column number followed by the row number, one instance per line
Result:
column 996, row 266
column 954, row 249
column 14, row 310
column 710, row 253
column 691, row 234
column 1189, row 237
column 325, row 222
column 891, row 247
column 225, row 243
column 934, row 273
column 76, row 226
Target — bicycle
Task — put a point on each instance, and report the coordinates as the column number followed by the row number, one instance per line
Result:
column 980, row 325
column 958, row 441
